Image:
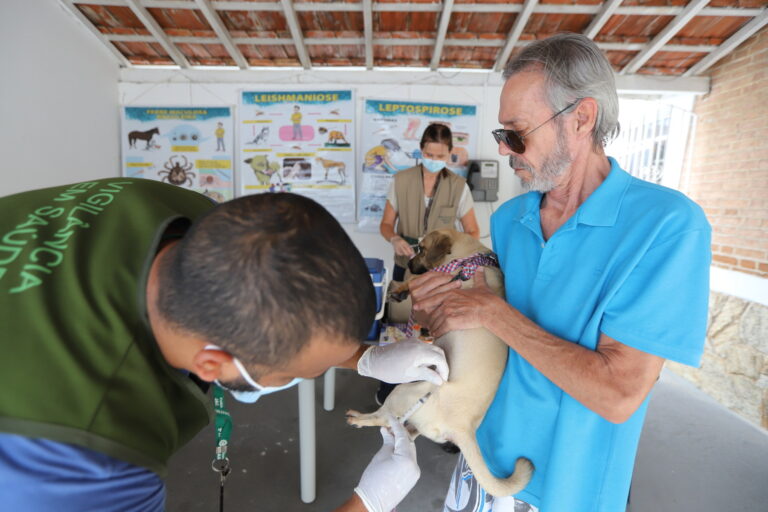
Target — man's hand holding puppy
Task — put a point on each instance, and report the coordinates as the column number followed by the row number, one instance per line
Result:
column 440, row 304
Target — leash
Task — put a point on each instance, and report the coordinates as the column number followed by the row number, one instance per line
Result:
column 220, row 463
column 466, row 267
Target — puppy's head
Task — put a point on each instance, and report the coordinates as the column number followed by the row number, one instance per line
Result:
column 434, row 250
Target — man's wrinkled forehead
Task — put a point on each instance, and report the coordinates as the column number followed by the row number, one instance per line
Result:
column 521, row 97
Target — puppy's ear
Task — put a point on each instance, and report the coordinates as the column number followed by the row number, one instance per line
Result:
column 440, row 249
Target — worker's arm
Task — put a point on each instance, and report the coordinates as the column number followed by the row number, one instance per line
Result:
column 387, row 230
column 404, row 361
column 390, row 476
column 469, row 224
column 612, row 380
column 387, row 226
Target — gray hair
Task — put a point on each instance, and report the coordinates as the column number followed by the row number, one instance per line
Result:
column 574, row 68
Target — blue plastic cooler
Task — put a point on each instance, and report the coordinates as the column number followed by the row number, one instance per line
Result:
column 379, row 277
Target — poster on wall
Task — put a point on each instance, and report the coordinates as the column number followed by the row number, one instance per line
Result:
column 300, row 142
column 190, row 147
column 392, row 131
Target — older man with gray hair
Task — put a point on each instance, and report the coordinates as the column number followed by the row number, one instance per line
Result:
column 606, row 277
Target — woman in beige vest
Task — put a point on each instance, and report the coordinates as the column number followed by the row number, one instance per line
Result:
column 426, row 197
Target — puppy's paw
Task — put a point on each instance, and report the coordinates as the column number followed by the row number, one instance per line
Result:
column 399, row 295
column 352, row 418
column 358, row 419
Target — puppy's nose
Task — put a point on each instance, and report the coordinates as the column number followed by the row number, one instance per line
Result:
column 415, row 269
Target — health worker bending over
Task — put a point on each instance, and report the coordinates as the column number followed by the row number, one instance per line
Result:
column 606, row 276
column 426, row 197
column 122, row 299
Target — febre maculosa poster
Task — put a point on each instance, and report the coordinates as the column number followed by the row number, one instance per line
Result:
column 300, row 142
column 390, row 136
column 190, row 147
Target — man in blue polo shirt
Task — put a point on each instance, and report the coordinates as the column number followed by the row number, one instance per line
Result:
column 606, row 277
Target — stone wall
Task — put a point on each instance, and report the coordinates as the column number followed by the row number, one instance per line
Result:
column 734, row 369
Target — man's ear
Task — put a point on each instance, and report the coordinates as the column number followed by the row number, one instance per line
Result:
column 207, row 364
column 586, row 116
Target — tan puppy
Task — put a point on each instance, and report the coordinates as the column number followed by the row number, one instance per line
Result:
column 476, row 359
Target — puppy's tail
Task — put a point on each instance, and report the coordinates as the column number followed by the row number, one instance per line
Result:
column 499, row 487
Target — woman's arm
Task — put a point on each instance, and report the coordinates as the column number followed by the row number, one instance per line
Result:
column 387, row 230
column 387, row 226
column 469, row 223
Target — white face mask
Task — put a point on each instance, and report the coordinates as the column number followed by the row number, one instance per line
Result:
column 432, row 165
column 250, row 397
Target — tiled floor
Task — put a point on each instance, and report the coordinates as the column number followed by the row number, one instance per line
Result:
column 694, row 456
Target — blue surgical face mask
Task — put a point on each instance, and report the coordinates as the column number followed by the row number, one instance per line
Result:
column 250, row 396
column 432, row 165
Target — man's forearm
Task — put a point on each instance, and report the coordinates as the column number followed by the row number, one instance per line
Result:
column 612, row 381
column 351, row 363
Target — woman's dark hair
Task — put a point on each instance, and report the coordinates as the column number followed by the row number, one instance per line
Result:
column 261, row 275
column 439, row 133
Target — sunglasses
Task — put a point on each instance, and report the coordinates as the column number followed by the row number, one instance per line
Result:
column 514, row 140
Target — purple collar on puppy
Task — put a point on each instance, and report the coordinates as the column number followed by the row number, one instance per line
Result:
column 468, row 266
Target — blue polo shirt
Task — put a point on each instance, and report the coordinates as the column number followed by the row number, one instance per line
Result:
column 633, row 263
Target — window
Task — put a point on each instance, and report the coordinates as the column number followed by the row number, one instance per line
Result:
column 653, row 138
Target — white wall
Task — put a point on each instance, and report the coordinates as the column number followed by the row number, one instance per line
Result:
column 184, row 88
column 58, row 99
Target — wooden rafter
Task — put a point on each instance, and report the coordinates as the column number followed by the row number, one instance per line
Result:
column 355, row 41
column 70, row 6
column 606, row 11
column 521, row 20
column 368, row 32
column 442, row 31
column 149, row 22
column 729, row 44
column 221, row 31
column 295, row 28
column 665, row 35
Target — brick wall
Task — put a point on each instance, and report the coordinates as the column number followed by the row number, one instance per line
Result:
column 728, row 172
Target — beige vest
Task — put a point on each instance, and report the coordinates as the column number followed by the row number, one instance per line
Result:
column 409, row 190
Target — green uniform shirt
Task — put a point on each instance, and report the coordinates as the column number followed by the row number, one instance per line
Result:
column 79, row 362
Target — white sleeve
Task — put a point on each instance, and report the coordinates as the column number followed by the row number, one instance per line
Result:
column 391, row 197
column 466, row 203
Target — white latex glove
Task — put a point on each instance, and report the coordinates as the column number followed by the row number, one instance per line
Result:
column 392, row 472
column 405, row 361
column 401, row 247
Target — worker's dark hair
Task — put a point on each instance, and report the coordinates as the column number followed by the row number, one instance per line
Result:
column 260, row 275
column 439, row 133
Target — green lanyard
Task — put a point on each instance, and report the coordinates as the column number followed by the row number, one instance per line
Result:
column 220, row 463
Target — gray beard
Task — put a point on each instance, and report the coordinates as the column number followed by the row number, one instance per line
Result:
column 546, row 178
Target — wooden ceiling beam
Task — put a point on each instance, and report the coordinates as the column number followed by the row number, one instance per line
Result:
column 422, row 41
column 154, row 28
column 602, row 17
column 225, row 38
column 593, row 9
column 521, row 20
column 79, row 16
column 368, row 32
column 729, row 44
column 674, row 26
column 442, row 31
column 298, row 37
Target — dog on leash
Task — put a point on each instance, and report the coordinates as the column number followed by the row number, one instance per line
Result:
column 476, row 358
